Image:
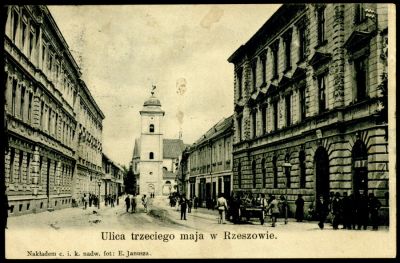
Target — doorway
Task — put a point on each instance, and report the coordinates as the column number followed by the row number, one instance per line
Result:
column 321, row 160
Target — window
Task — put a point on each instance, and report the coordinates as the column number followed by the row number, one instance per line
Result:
column 254, row 122
column 15, row 26
column 254, row 171
column 21, row 160
column 302, row 169
column 151, row 156
column 49, row 121
column 360, row 66
column 239, row 175
column 264, row 119
column 275, row 106
column 287, row 171
column 264, row 68
column 302, row 102
column 264, row 173
column 30, row 107
column 28, row 168
column 240, row 80
column 288, row 110
column 302, row 43
column 151, row 128
column 275, row 47
column 321, row 25
column 254, row 74
column 42, row 114
column 275, row 171
column 21, row 109
column 239, row 123
column 359, row 13
column 322, row 101
column 12, row 156
column 288, row 41
column 24, row 32
column 13, row 99
column 56, row 179
column 31, row 41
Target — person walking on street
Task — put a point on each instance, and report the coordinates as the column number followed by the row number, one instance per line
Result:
column 133, row 204
column 183, row 204
column 144, row 203
column 322, row 210
column 127, row 203
column 300, row 208
column 190, row 204
column 374, row 206
column 222, row 206
column 274, row 207
column 86, row 200
column 336, row 206
column 195, row 202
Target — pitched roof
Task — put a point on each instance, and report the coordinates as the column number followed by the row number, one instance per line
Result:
column 222, row 126
column 173, row 148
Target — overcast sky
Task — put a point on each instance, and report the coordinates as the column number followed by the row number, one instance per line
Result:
column 124, row 50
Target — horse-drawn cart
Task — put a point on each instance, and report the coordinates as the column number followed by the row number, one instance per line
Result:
column 249, row 212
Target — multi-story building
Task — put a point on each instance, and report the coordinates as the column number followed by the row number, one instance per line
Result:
column 113, row 180
column 209, row 169
column 43, row 94
column 308, row 94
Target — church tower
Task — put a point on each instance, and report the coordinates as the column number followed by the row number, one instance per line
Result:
column 151, row 147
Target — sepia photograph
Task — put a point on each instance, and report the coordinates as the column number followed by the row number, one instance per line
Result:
column 199, row 131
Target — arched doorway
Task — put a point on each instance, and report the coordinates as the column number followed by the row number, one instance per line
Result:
column 359, row 156
column 321, row 160
column 167, row 188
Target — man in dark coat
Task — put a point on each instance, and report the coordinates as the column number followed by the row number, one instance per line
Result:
column 362, row 211
column 347, row 207
column 322, row 210
column 183, row 203
column 128, row 203
column 300, row 208
column 336, row 208
column 374, row 206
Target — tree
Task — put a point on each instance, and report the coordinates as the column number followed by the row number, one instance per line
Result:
column 129, row 181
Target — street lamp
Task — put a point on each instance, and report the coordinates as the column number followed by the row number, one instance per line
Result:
column 98, row 201
column 287, row 167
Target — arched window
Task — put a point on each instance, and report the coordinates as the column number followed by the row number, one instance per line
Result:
column 302, row 168
column 275, row 171
column 151, row 128
column 253, row 169
column 264, row 172
column 151, row 156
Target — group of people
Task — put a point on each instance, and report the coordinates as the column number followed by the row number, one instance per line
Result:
column 353, row 211
column 89, row 199
column 130, row 203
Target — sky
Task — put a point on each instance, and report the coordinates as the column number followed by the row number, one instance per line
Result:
column 123, row 50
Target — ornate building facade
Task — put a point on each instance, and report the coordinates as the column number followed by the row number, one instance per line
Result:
column 309, row 94
column 45, row 124
column 208, row 167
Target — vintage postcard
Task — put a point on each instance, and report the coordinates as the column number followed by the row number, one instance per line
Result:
column 200, row 131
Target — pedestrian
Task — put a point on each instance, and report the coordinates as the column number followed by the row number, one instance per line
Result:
column 336, row 209
column 90, row 199
column 374, row 206
column 133, row 204
column 190, row 204
column 299, row 208
column 283, row 206
column 183, row 204
column 144, row 203
column 362, row 211
column 86, row 200
column 222, row 206
column 112, row 200
column 195, row 202
column 322, row 210
column 274, row 208
column 127, row 203
column 347, row 212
